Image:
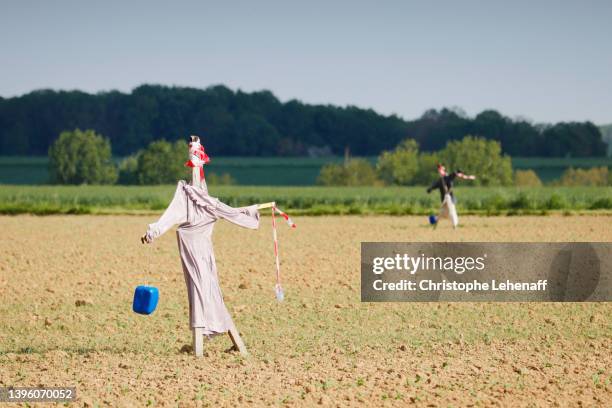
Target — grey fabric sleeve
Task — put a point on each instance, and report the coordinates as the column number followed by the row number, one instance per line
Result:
column 176, row 213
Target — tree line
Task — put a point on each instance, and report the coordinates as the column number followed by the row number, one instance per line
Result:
column 406, row 165
column 236, row 123
column 84, row 157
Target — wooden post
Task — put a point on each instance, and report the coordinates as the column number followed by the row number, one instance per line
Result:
column 266, row 205
column 198, row 341
column 237, row 340
column 347, row 156
column 196, row 180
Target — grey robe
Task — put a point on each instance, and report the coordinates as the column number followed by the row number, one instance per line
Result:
column 197, row 212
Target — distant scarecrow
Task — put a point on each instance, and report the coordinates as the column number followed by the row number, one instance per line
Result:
column 196, row 213
column 445, row 185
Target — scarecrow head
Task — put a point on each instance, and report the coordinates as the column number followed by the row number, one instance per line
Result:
column 197, row 159
column 441, row 170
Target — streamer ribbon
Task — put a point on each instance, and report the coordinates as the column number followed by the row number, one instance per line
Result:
column 278, row 289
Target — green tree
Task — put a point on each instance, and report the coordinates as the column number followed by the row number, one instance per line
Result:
column 254, row 136
column 400, row 165
column 573, row 139
column 128, row 170
column 81, row 157
column 478, row 156
column 163, row 162
column 355, row 172
column 526, row 178
column 214, row 179
column 427, row 173
column 606, row 136
column 595, row 176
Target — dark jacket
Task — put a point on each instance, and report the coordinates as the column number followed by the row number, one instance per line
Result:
column 446, row 187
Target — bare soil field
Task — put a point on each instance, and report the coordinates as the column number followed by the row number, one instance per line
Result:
column 66, row 286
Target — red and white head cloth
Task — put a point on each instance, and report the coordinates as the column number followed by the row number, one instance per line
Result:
column 197, row 156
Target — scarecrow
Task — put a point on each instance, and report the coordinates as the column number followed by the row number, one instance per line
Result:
column 196, row 213
column 445, row 185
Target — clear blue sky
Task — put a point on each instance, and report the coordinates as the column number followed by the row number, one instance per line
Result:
column 544, row 60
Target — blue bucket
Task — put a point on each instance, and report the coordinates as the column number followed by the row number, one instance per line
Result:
column 433, row 220
column 145, row 299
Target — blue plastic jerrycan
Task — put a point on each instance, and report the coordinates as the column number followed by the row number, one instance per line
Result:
column 145, row 299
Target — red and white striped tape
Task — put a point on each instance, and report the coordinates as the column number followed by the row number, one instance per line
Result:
column 278, row 289
column 285, row 216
